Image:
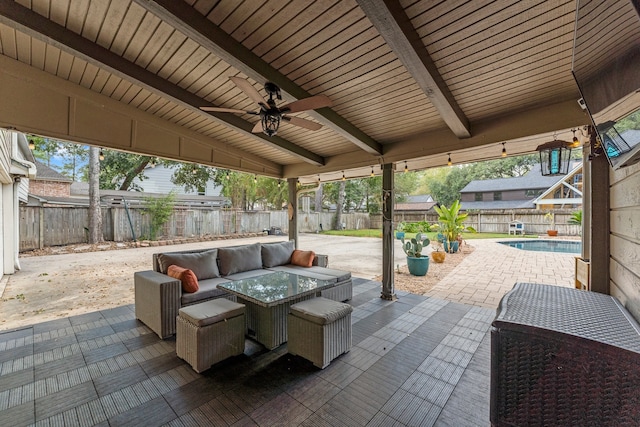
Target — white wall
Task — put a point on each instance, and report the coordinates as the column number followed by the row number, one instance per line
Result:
column 624, row 262
column 159, row 181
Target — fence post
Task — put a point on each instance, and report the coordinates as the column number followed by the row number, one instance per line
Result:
column 41, row 227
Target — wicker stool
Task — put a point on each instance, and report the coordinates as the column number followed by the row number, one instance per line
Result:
column 209, row 332
column 319, row 330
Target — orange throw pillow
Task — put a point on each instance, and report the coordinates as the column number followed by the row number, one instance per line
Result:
column 302, row 258
column 187, row 277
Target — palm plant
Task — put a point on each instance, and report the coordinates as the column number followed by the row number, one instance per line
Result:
column 576, row 218
column 451, row 221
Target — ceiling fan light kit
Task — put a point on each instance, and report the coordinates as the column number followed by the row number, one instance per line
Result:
column 270, row 114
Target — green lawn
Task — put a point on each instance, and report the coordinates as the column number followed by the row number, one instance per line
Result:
column 466, row 236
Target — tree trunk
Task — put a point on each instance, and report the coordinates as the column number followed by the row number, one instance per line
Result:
column 95, row 215
column 132, row 174
column 318, row 203
column 341, row 196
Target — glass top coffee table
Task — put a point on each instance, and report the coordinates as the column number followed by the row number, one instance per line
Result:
column 267, row 299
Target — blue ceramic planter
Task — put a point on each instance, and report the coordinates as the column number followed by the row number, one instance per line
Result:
column 418, row 266
column 399, row 235
column 454, row 246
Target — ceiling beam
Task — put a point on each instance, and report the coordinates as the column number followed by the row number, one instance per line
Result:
column 191, row 23
column 41, row 28
column 394, row 26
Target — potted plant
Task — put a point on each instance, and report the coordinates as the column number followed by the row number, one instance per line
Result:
column 451, row 225
column 417, row 263
column 400, row 230
column 437, row 255
column 551, row 219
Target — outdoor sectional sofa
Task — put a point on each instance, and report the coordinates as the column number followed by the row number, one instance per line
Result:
column 158, row 297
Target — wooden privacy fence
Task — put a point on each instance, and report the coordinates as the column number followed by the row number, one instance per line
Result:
column 55, row 226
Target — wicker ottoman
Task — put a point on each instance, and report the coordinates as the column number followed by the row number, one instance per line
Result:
column 319, row 330
column 209, row 332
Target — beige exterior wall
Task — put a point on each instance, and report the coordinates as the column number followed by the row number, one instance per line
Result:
column 624, row 262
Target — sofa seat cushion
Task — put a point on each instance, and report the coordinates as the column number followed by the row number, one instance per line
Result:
column 320, row 310
column 210, row 312
column 203, row 264
column 206, row 290
column 307, row 272
column 274, row 254
column 248, row 274
column 340, row 275
column 240, row 258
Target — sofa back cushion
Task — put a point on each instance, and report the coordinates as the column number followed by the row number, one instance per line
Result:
column 240, row 258
column 203, row 264
column 275, row 254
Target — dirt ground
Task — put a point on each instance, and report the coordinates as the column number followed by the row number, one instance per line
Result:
column 71, row 280
column 404, row 281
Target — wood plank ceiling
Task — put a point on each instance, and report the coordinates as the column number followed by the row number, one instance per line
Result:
column 409, row 80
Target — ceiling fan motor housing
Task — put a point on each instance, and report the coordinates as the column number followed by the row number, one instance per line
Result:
column 273, row 90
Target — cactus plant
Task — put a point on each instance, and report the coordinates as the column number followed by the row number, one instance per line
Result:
column 413, row 248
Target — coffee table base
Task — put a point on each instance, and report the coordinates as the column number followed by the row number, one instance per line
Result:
column 268, row 325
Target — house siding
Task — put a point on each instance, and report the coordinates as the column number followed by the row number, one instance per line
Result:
column 624, row 262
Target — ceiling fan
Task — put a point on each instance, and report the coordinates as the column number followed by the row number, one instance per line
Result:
column 270, row 114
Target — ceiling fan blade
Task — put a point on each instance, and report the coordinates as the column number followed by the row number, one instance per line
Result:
column 311, row 103
column 226, row 110
column 257, row 128
column 303, row 123
column 248, row 89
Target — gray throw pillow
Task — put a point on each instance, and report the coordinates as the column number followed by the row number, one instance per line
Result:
column 275, row 254
column 239, row 259
column 203, row 264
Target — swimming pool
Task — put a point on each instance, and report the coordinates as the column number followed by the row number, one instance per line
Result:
column 563, row 246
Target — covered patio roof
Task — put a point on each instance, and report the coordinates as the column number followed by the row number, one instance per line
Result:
column 409, row 81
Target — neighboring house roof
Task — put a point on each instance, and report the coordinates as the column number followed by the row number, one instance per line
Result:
column 532, row 180
column 45, row 173
column 422, row 202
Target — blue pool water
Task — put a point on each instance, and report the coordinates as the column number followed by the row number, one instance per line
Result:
column 564, row 246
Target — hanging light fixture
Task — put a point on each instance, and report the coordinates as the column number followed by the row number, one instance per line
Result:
column 406, row 168
column 372, row 172
column 152, row 163
column 101, row 155
column 449, row 163
column 228, row 177
column 255, row 179
column 279, row 183
column 32, row 144
column 343, row 177
column 575, row 142
column 504, row 150
column 194, row 170
column 554, row 157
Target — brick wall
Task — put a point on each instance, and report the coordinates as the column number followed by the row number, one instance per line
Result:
column 50, row 188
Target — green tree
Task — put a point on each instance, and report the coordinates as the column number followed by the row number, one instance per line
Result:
column 159, row 210
column 45, row 149
column 191, row 176
column 118, row 170
column 75, row 157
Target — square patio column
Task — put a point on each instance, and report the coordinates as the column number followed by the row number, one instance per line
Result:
column 388, row 289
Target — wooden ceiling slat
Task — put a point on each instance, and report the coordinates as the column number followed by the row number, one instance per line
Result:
column 112, row 23
column 52, row 57
column 121, row 89
column 9, row 47
column 58, row 11
column 310, row 34
column 141, row 97
column 151, row 99
column 38, row 54
column 316, row 16
column 111, row 85
column 95, row 17
column 183, row 62
column 143, row 36
column 77, row 70
column 89, row 76
column 229, row 15
column 42, row 7
column 64, row 65
column 206, row 85
column 131, row 93
column 205, row 6
column 256, row 20
column 77, row 14
column 23, row 43
column 166, row 51
column 100, row 81
column 127, row 30
column 156, row 44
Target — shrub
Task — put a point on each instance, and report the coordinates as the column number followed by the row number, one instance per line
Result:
column 417, row 227
column 159, row 210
